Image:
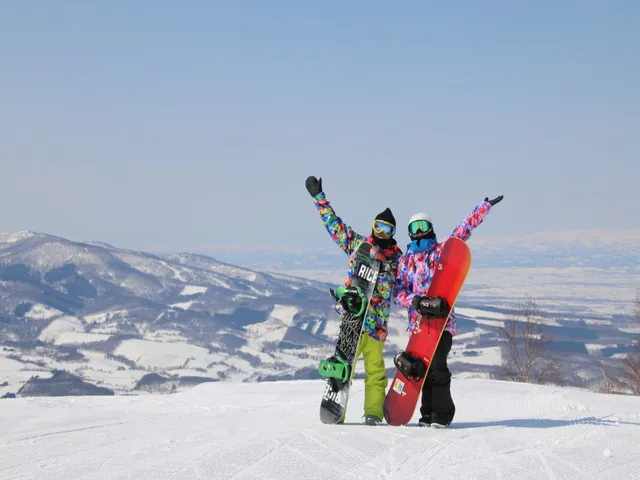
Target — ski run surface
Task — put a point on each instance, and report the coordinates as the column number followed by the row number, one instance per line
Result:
column 502, row 430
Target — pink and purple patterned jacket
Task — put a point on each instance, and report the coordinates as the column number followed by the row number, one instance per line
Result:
column 375, row 324
column 416, row 269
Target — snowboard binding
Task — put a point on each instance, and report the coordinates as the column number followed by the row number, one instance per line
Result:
column 334, row 367
column 352, row 299
column 410, row 366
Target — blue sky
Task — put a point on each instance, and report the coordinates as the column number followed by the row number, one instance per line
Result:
column 172, row 125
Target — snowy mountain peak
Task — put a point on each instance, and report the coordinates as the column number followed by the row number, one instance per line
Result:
column 15, row 237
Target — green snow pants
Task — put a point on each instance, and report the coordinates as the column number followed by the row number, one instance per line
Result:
column 375, row 380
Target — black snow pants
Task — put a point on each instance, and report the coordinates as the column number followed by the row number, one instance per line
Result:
column 437, row 404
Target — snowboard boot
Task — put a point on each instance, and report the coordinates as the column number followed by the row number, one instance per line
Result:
column 441, row 421
column 372, row 420
column 424, row 422
column 439, row 425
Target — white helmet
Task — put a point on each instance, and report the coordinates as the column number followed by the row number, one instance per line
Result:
column 420, row 216
column 424, row 229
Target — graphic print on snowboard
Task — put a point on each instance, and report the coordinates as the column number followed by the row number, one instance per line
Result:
column 402, row 397
column 339, row 368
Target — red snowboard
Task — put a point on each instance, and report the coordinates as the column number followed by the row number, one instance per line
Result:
column 454, row 264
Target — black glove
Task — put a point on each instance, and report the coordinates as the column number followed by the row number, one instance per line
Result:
column 431, row 307
column 314, row 185
column 495, row 200
column 334, row 295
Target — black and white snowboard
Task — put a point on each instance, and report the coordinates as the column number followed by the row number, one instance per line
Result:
column 339, row 368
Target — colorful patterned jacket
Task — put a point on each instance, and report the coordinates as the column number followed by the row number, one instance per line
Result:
column 375, row 324
column 416, row 269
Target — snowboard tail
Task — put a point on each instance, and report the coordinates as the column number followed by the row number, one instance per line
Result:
column 402, row 398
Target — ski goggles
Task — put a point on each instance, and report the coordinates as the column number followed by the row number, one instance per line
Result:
column 383, row 229
column 419, row 226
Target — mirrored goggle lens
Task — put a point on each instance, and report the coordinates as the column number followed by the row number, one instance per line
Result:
column 383, row 227
column 419, row 226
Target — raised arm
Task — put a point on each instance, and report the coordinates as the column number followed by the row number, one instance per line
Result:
column 463, row 231
column 343, row 235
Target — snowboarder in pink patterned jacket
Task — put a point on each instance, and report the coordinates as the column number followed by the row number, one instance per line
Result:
column 415, row 272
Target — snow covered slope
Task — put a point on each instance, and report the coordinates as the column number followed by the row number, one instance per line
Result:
column 271, row 431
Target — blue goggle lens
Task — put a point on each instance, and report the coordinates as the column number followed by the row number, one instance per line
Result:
column 385, row 228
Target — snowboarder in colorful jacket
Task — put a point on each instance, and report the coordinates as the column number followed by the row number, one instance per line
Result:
column 375, row 324
column 415, row 272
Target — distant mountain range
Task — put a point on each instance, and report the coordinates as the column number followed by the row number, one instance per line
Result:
column 593, row 248
column 87, row 317
column 93, row 309
column 573, row 272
